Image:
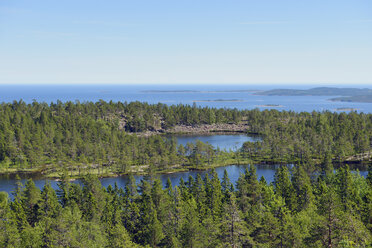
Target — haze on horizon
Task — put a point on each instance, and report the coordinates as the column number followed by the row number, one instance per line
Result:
column 179, row 42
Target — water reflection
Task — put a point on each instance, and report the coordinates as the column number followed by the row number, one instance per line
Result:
column 222, row 141
column 7, row 183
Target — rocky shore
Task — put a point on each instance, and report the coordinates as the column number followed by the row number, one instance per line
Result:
column 198, row 129
column 209, row 128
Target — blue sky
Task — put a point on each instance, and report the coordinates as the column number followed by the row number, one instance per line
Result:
column 195, row 42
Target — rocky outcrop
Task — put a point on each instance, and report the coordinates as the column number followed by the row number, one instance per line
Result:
column 209, row 128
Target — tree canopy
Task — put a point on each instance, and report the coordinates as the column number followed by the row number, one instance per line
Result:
column 294, row 211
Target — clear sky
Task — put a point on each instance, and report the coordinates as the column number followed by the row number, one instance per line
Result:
column 186, row 41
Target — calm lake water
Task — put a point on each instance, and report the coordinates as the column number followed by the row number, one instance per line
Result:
column 8, row 184
column 267, row 171
column 201, row 95
column 221, row 141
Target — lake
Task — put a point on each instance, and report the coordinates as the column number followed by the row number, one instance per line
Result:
column 221, row 141
column 7, row 183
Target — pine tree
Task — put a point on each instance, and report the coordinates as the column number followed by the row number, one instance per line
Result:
column 328, row 229
column 151, row 230
column 214, row 195
column 29, row 202
column 284, row 188
column 190, row 227
column 48, row 205
column 8, row 224
column 169, row 187
column 131, row 188
column 93, row 198
column 345, row 189
column 234, row 233
column 302, row 187
column 327, row 166
column 119, row 237
column 369, row 176
column 63, row 189
column 226, row 186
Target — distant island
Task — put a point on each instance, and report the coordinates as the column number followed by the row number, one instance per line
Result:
column 346, row 109
column 199, row 91
column 346, row 94
column 343, row 94
column 270, row 105
column 361, row 98
column 170, row 91
column 220, row 100
column 319, row 91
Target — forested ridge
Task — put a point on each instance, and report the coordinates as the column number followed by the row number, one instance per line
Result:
column 328, row 210
column 81, row 136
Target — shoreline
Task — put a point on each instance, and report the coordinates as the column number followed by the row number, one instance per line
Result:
column 40, row 175
column 174, row 169
column 209, row 128
column 203, row 129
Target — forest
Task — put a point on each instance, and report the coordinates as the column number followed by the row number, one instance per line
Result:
column 108, row 138
column 324, row 210
column 309, row 204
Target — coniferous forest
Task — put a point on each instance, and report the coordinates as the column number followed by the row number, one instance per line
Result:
column 309, row 204
column 107, row 136
column 328, row 210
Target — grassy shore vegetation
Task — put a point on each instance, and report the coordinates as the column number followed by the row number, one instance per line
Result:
column 326, row 210
column 107, row 138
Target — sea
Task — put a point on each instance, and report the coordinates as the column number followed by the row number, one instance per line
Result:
column 216, row 96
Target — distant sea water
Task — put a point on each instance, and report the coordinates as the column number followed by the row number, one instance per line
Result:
column 217, row 96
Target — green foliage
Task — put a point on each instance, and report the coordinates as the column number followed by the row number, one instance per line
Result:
column 323, row 212
column 3, row 199
column 82, row 138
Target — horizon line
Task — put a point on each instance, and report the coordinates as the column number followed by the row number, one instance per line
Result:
column 195, row 84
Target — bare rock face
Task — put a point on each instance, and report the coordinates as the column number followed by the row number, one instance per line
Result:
column 198, row 129
column 209, row 128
